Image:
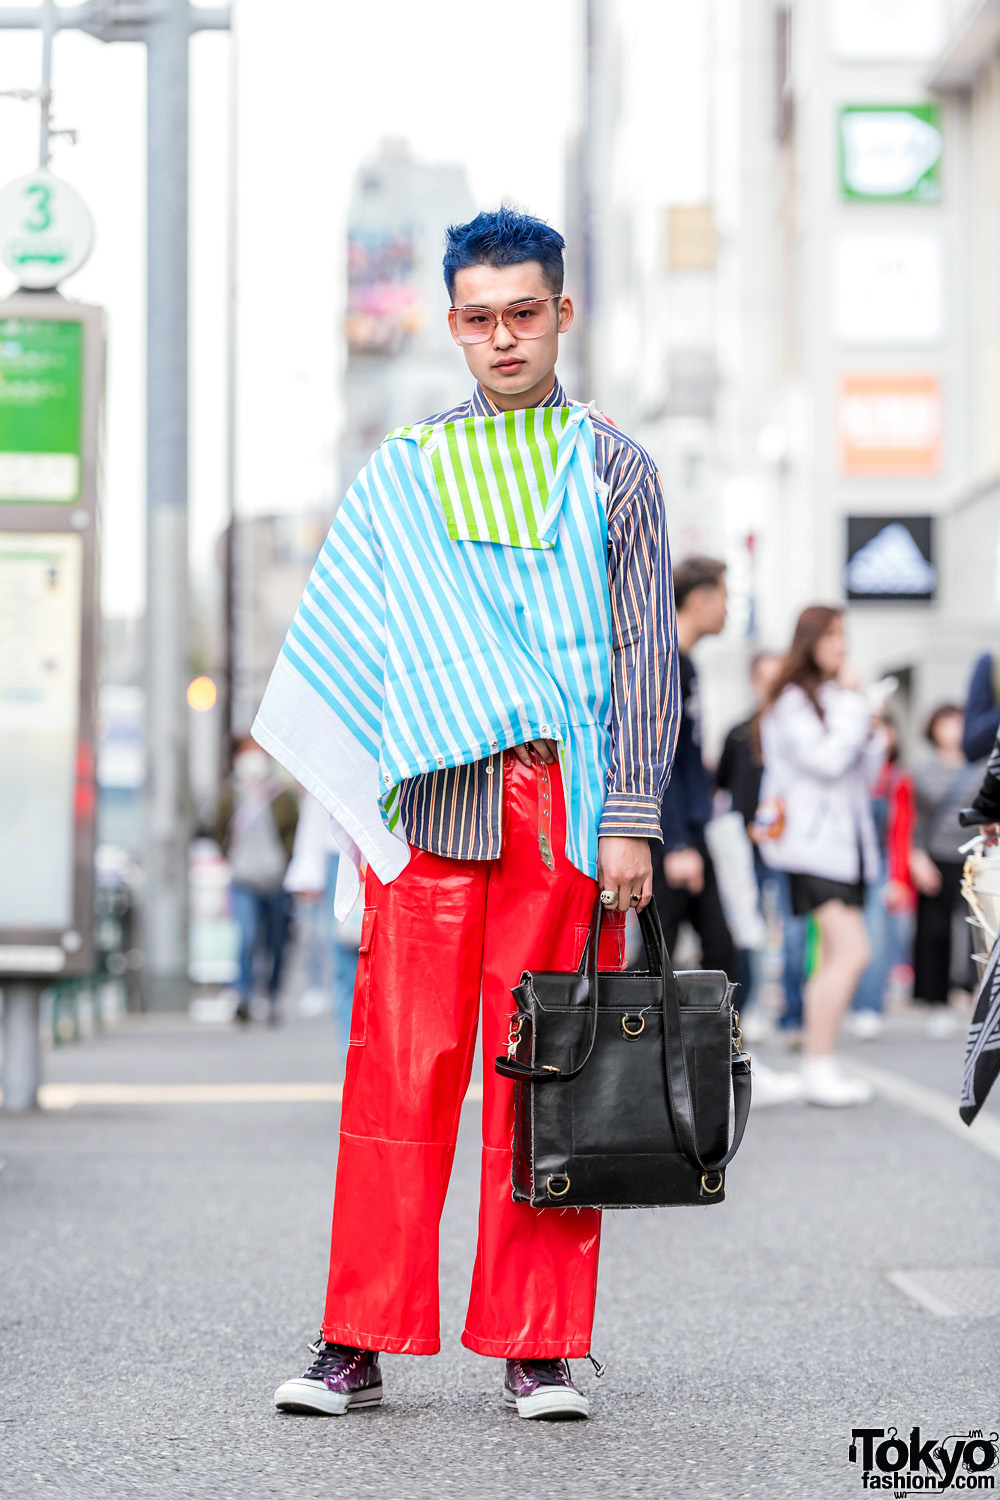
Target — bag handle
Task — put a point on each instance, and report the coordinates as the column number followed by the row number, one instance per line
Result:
column 679, row 1095
column 509, row 1068
column 679, row 1092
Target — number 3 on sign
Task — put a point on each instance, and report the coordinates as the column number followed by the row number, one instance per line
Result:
column 40, row 218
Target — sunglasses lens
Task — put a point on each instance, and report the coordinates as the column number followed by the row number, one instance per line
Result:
column 528, row 320
column 474, row 325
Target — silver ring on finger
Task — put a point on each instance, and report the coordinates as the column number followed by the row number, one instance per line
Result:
column 609, row 898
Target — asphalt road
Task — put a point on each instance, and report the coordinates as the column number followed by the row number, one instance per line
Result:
column 162, row 1268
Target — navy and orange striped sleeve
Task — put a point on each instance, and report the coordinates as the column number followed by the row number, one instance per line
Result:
column 645, row 678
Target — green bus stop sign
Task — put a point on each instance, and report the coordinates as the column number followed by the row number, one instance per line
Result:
column 41, row 392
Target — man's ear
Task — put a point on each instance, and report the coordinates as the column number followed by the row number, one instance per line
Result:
column 566, row 313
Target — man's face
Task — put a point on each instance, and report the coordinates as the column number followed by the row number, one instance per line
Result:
column 514, row 372
column 713, row 603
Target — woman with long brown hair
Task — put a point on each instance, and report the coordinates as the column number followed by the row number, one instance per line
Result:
column 822, row 752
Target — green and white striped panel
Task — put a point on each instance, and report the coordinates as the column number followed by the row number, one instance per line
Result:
column 495, row 476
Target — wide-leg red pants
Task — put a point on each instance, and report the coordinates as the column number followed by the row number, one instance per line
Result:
column 443, row 932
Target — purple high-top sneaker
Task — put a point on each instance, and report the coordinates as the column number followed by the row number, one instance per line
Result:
column 543, row 1388
column 339, row 1380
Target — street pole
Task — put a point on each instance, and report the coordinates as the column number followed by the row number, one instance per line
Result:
column 597, row 124
column 168, row 805
column 166, row 27
column 20, row 1044
column 45, row 93
column 232, row 333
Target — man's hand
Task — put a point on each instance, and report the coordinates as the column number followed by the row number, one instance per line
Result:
column 684, row 869
column 626, row 866
column 544, row 749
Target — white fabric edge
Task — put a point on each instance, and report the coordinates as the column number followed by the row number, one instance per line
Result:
column 332, row 744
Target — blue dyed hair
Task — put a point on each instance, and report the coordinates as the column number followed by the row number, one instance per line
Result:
column 504, row 238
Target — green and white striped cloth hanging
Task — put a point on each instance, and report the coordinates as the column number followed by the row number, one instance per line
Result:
column 503, row 478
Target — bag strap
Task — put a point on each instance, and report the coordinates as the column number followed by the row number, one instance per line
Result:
column 509, row 1068
column 679, row 1093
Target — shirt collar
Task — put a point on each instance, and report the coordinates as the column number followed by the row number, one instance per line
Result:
column 482, row 406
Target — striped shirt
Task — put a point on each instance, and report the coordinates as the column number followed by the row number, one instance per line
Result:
column 457, row 812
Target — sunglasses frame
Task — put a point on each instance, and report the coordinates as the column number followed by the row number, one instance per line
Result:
column 502, row 318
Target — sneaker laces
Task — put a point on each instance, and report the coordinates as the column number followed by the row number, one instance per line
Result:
column 546, row 1371
column 332, row 1360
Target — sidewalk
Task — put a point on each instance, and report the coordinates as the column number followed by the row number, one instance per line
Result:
column 162, row 1267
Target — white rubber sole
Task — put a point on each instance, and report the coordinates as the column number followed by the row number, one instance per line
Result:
column 313, row 1396
column 548, row 1401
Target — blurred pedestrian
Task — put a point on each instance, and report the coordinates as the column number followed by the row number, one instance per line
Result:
column 739, row 774
column 822, row 753
column 255, row 828
column 890, row 897
column 982, row 1052
column 982, row 708
column 684, row 883
column 943, row 785
column 330, row 948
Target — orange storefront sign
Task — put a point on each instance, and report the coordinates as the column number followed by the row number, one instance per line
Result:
column 890, row 424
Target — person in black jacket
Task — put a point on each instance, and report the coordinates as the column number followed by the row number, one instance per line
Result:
column 684, row 885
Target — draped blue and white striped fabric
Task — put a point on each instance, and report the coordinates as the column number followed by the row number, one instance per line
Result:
column 411, row 651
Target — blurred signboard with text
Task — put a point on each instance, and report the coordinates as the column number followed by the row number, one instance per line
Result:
column 383, row 302
column 889, row 29
column 890, row 558
column 890, row 152
column 888, row 288
column 51, row 396
column 692, row 238
column 890, row 424
column 41, row 378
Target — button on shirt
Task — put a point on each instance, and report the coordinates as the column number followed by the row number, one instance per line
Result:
column 456, row 812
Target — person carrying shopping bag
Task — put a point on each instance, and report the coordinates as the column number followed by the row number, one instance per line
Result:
column 822, row 754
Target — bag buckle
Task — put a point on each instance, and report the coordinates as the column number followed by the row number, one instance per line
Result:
column 711, row 1191
column 737, row 1033
column 514, row 1035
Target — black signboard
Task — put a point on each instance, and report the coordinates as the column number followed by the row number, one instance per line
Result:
column 890, row 558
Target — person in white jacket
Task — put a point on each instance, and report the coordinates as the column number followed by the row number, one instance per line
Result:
column 822, row 751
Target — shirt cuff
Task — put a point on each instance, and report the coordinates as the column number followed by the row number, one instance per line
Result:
column 627, row 816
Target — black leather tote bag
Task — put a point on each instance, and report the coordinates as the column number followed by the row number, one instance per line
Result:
column 624, row 1081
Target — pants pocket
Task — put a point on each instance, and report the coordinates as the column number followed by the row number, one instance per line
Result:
column 611, row 949
column 363, row 982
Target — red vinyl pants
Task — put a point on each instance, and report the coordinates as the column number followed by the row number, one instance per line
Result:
column 441, row 933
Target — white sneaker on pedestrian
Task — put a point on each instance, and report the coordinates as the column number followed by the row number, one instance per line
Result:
column 864, row 1025
column 824, row 1082
column 313, row 1002
column 771, row 1087
column 756, row 1026
column 942, row 1026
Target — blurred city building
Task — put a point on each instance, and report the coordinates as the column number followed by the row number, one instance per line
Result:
column 871, row 389
column 272, row 557
column 401, row 361
column 966, row 75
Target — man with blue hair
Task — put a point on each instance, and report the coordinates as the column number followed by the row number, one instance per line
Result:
column 480, row 686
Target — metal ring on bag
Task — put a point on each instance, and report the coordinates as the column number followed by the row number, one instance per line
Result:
column 718, row 1186
column 557, row 1192
column 638, row 1032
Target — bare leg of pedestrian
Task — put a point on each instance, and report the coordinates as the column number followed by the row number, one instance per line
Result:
column 845, row 952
